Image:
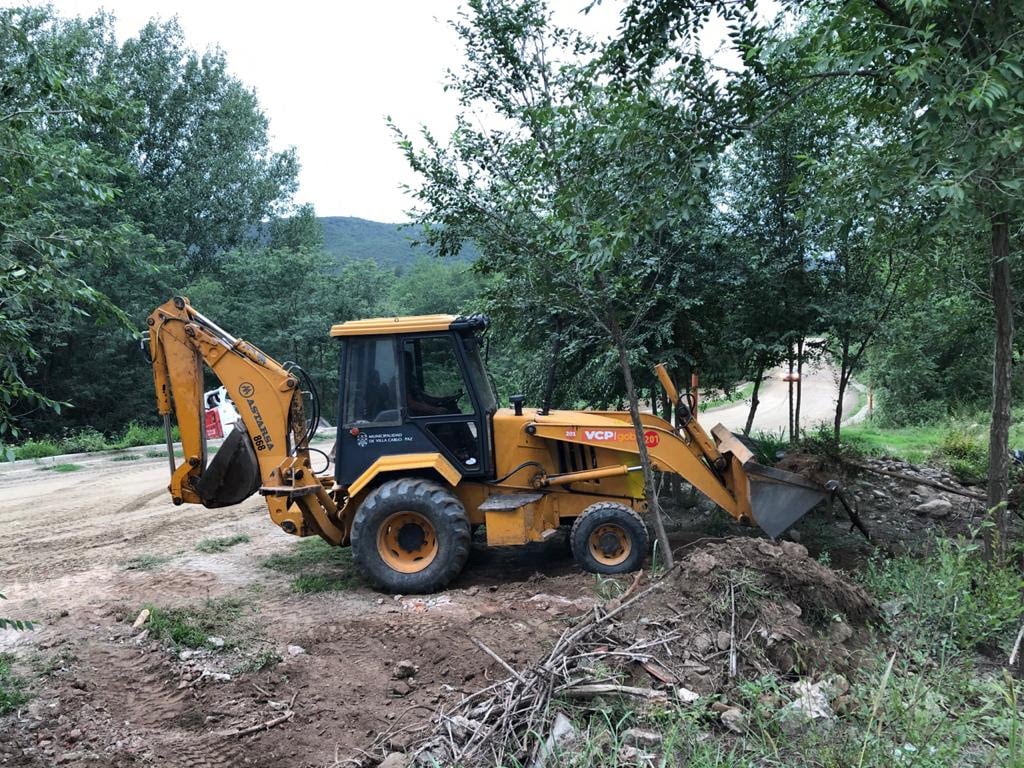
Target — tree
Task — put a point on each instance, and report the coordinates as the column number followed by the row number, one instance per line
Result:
column 947, row 73
column 206, row 176
column 53, row 190
column 578, row 199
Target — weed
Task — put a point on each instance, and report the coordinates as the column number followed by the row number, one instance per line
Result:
column 12, row 688
column 959, row 601
column 190, row 627
column 145, row 562
column 211, row 546
column 608, row 587
column 307, row 553
column 768, row 446
column 317, row 566
column 61, row 468
column 257, row 662
column 126, row 457
column 156, row 454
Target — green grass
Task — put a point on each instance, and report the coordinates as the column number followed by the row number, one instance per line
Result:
column 914, row 444
column 61, row 468
column 317, row 566
column 88, row 440
column 126, row 457
column 145, row 562
column 211, row 546
column 12, row 688
column 190, row 627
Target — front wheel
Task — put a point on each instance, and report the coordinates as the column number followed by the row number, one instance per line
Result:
column 411, row 536
column 609, row 538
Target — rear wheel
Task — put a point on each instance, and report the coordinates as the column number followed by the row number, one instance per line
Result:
column 410, row 535
column 609, row 538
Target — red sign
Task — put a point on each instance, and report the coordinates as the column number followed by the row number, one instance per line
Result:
column 214, row 429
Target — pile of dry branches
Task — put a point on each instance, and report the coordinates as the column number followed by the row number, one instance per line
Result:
column 510, row 718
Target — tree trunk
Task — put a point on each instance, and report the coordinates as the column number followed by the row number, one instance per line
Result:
column 799, row 383
column 651, row 489
column 792, row 437
column 844, row 379
column 754, row 402
column 1002, row 370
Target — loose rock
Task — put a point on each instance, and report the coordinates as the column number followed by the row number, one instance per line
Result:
column 639, row 737
column 935, row 508
column 403, row 669
column 734, row 719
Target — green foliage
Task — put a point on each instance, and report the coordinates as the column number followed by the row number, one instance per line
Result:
column 12, row 688
column 189, row 627
column 347, row 238
column 19, row 624
column 952, row 600
column 221, row 544
column 966, row 454
column 145, row 562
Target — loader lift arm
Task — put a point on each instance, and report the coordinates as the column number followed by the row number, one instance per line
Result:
column 269, row 455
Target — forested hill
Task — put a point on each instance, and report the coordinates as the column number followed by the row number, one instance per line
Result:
column 388, row 244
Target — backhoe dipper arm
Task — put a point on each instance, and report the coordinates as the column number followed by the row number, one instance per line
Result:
column 267, row 456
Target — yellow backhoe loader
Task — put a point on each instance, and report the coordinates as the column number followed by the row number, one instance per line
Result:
column 423, row 452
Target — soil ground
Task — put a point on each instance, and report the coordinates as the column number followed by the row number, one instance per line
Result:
column 82, row 552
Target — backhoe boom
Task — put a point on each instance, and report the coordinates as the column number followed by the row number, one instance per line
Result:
column 268, row 455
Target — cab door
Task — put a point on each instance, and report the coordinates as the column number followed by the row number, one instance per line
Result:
column 440, row 401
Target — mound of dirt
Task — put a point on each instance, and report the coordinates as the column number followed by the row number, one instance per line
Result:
column 728, row 611
column 744, row 608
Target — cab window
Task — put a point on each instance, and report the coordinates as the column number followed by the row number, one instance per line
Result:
column 434, row 384
column 371, row 382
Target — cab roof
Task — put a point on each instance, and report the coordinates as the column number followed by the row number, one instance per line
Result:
column 376, row 326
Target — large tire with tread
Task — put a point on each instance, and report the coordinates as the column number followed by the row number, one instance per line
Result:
column 410, row 536
column 609, row 538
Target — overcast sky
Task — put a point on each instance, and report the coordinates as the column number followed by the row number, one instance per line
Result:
column 327, row 73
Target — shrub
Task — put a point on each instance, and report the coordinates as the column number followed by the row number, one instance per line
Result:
column 958, row 599
column 83, row 441
column 966, row 455
column 36, row 449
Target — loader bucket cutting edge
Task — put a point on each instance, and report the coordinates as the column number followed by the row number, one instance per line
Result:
column 778, row 498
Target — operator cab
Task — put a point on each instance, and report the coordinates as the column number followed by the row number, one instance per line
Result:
column 414, row 385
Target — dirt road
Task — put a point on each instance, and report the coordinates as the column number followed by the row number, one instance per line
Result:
column 817, row 406
column 81, row 552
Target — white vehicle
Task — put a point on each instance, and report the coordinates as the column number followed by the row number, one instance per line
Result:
column 221, row 415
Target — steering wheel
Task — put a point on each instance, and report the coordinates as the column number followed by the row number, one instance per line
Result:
column 451, row 402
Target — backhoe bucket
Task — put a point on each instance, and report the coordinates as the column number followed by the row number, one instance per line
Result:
column 233, row 475
column 777, row 498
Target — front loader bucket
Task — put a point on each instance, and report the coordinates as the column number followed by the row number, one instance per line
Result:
column 778, row 498
column 233, row 475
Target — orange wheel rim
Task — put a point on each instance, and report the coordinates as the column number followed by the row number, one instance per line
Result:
column 406, row 541
column 609, row 544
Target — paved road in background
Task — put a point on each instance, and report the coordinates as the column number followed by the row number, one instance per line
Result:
column 818, row 403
